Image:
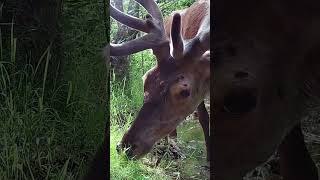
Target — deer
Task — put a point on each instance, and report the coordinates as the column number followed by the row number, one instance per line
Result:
column 179, row 82
column 181, row 78
column 266, row 70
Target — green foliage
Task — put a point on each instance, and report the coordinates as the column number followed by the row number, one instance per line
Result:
column 38, row 138
column 127, row 94
column 168, row 6
column 140, row 64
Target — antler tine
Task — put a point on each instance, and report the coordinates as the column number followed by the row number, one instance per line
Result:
column 135, row 45
column 152, row 8
column 176, row 39
column 155, row 38
column 128, row 20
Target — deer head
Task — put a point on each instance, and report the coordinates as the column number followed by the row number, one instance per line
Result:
column 260, row 61
column 175, row 86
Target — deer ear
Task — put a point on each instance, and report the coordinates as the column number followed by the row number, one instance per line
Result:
column 176, row 39
column 205, row 56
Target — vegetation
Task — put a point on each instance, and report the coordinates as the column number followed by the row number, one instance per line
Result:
column 52, row 123
column 53, row 94
column 125, row 101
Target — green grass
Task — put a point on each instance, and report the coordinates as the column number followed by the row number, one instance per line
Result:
column 124, row 169
column 191, row 141
column 53, row 133
column 32, row 132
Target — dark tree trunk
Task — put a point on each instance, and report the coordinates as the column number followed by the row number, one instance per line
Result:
column 36, row 27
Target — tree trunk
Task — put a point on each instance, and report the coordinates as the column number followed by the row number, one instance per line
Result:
column 36, row 27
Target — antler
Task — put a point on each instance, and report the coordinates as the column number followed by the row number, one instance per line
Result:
column 155, row 38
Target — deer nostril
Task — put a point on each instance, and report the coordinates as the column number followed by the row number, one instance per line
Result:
column 126, row 148
column 118, row 148
column 129, row 150
column 185, row 93
column 240, row 101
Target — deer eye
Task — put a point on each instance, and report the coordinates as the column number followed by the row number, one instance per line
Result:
column 185, row 93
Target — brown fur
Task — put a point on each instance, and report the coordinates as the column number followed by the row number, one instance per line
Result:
column 191, row 19
column 162, row 88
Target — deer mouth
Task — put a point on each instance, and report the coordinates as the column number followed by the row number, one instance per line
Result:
column 133, row 152
column 240, row 100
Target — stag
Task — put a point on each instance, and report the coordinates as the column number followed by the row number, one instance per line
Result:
column 266, row 69
column 266, row 62
column 179, row 82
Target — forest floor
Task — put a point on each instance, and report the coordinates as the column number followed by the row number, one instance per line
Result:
column 192, row 164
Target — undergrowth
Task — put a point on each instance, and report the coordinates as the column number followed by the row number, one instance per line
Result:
column 53, row 133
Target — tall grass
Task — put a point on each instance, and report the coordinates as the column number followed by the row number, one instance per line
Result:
column 52, row 133
column 127, row 93
column 29, row 131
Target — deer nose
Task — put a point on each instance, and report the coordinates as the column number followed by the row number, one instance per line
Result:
column 127, row 149
column 118, row 148
column 185, row 93
column 129, row 152
column 241, row 100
